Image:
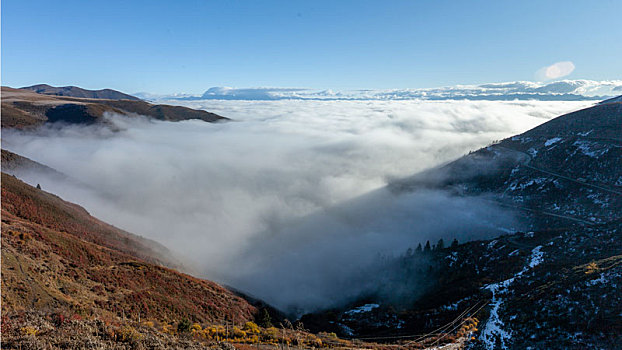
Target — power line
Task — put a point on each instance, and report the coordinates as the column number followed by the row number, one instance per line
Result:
column 485, row 302
column 460, row 324
column 422, row 336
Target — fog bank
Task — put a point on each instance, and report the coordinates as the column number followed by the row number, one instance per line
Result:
column 285, row 202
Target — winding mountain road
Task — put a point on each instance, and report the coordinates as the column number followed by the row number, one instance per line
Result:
column 527, row 162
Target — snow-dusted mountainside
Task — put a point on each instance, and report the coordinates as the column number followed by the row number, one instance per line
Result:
column 564, row 90
column 556, row 286
column 565, row 171
column 549, row 289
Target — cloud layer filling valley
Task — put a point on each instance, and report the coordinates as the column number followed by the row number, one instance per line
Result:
column 258, row 202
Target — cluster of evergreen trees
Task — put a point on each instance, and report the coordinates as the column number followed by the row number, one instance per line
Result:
column 429, row 248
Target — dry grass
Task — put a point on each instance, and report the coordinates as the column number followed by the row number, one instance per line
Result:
column 57, row 257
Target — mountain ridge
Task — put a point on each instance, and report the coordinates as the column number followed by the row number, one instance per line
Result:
column 27, row 109
column 546, row 287
column 74, row 91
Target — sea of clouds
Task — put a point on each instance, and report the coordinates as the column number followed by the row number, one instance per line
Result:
column 559, row 90
column 287, row 200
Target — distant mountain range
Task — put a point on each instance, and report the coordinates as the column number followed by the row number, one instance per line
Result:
column 74, row 91
column 22, row 108
column 564, row 90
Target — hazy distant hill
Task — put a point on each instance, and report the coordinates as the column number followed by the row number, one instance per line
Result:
column 25, row 108
column 74, row 91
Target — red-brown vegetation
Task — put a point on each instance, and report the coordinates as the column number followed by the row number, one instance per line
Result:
column 55, row 256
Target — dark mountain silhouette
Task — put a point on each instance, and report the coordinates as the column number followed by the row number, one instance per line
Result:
column 614, row 99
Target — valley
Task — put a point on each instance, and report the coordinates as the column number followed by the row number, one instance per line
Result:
column 551, row 283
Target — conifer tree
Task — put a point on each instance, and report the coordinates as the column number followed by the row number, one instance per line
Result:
column 427, row 247
column 183, row 326
column 264, row 319
column 454, row 244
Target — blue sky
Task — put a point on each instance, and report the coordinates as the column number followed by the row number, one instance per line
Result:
column 189, row 46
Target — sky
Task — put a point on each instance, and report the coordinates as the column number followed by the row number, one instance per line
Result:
column 188, row 46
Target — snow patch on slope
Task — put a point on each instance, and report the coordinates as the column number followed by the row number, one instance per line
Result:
column 552, row 141
column 361, row 309
column 494, row 333
column 590, row 149
column 536, row 257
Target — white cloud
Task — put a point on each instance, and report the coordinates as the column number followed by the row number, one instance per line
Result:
column 571, row 90
column 257, row 202
column 555, row 71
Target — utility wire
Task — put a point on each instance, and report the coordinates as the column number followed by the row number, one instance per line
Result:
column 421, row 336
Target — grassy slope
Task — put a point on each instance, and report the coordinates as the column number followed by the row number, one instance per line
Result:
column 56, row 256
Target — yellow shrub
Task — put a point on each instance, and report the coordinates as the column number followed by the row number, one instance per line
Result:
column 168, row 329
column 251, row 327
column 216, row 330
column 129, row 334
column 591, row 268
column 314, row 341
column 29, row 331
column 238, row 333
column 253, row 339
column 270, row 334
column 469, row 326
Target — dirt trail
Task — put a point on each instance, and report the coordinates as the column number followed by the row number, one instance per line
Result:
column 528, row 159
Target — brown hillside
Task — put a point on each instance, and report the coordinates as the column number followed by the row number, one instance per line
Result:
column 25, row 108
column 74, row 91
column 14, row 162
column 55, row 256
